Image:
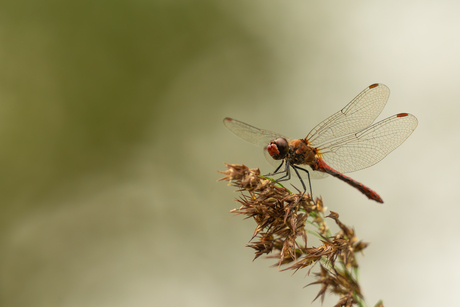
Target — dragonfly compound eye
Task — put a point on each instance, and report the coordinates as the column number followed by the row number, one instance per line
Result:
column 278, row 148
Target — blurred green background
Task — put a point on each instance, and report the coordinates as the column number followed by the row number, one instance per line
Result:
column 111, row 134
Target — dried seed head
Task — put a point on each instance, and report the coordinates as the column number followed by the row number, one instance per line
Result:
column 281, row 218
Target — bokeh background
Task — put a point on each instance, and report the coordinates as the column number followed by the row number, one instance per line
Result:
column 111, row 135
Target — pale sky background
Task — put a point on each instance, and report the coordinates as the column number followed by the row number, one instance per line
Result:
column 111, row 136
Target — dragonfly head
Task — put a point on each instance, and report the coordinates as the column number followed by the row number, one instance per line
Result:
column 278, row 148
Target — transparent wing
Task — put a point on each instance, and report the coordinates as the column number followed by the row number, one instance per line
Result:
column 357, row 115
column 369, row 146
column 251, row 134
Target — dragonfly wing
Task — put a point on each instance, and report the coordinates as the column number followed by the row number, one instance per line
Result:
column 251, row 134
column 369, row 146
column 357, row 115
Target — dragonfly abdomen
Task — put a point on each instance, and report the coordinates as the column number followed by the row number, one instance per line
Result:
column 323, row 167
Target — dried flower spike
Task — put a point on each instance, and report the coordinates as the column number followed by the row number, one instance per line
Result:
column 281, row 218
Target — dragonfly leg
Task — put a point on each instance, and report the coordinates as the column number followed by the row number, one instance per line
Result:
column 287, row 171
column 276, row 170
column 295, row 167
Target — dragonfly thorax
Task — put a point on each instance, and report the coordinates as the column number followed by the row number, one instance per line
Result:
column 301, row 153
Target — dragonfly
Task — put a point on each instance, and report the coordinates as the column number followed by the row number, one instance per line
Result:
column 345, row 142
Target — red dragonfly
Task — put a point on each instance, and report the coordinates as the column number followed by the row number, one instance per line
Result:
column 345, row 142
